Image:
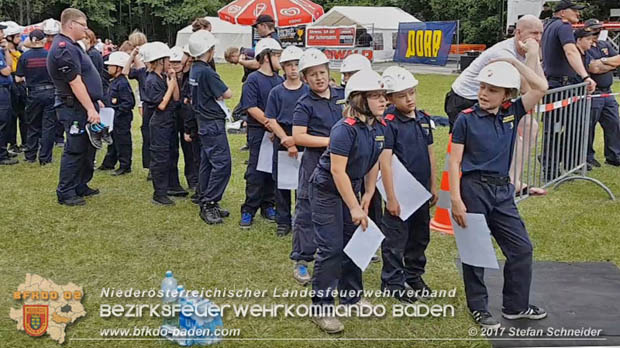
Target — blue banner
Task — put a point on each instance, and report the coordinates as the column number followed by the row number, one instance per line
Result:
column 424, row 42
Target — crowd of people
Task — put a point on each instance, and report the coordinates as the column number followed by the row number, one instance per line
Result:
column 344, row 134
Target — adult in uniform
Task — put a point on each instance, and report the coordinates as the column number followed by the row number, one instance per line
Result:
column 5, row 101
column 40, row 114
column 79, row 95
column 601, row 61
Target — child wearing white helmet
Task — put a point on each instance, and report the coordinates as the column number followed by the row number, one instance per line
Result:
column 279, row 111
column 482, row 148
column 352, row 64
column 120, row 98
column 314, row 115
column 411, row 140
column 12, row 34
column 216, row 163
column 259, row 186
column 161, row 90
column 355, row 144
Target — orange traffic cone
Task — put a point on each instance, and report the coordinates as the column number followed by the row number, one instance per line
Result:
column 441, row 221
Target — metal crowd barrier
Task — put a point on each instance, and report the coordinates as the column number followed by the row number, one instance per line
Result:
column 552, row 142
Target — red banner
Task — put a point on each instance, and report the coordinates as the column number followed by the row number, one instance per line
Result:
column 330, row 36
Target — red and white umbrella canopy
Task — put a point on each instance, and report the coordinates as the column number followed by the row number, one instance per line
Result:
column 284, row 12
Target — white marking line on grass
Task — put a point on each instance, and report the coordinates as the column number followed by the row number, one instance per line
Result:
column 352, row 339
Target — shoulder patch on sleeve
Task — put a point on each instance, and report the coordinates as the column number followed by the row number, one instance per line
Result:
column 62, row 44
column 350, row 121
column 468, row 111
column 390, row 117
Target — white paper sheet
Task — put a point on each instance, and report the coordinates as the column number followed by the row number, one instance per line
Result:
column 288, row 170
column 409, row 192
column 364, row 244
column 226, row 110
column 265, row 156
column 474, row 242
column 107, row 117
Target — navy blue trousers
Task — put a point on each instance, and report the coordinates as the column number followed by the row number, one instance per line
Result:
column 215, row 163
column 121, row 149
column 605, row 111
column 5, row 120
column 259, row 186
column 41, row 120
column 304, row 243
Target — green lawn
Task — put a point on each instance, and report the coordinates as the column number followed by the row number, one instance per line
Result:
column 121, row 240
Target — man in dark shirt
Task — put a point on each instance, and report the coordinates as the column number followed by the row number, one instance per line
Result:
column 79, row 95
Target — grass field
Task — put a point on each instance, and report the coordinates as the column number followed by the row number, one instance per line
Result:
column 121, row 240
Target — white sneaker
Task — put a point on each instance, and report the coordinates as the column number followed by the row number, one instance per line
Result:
column 329, row 324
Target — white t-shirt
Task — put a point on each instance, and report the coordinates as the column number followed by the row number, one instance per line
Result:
column 466, row 84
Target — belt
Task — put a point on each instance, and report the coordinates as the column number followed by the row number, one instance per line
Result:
column 495, row 180
column 40, row 88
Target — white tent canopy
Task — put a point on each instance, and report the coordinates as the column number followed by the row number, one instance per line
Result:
column 381, row 22
column 227, row 35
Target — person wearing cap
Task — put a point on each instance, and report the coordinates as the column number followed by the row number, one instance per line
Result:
column 18, row 91
column 179, row 61
column 6, row 109
column 79, row 95
column 279, row 111
column 259, row 186
column 207, row 89
column 120, row 98
column 355, row 144
column 161, row 91
column 265, row 28
column 40, row 115
column 136, row 69
column 314, row 115
column 601, row 60
column 411, row 140
column 483, row 140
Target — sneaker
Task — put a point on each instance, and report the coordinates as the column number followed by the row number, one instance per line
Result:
column 485, row 319
column 121, row 171
column 223, row 212
column 329, row 324
column 210, row 214
column 246, row 220
column 375, row 258
column 11, row 154
column 594, row 163
column 60, row 144
column 106, row 137
column 244, row 148
column 15, row 149
column 177, row 192
column 95, row 137
column 89, row 192
column 162, row 200
column 422, row 291
column 9, row 162
column 104, row 168
column 404, row 297
column 533, row 312
column 283, row 230
column 195, row 198
column 301, row 274
column 73, row 201
column 269, row 214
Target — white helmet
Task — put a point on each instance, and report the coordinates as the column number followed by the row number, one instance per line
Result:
column 397, row 79
column 291, row 53
column 51, row 26
column 363, row 81
column 266, row 44
column 12, row 28
column 355, row 62
column 312, row 57
column 156, row 50
column 200, row 42
column 117, row 59
column 500, row 74
column 176, row 54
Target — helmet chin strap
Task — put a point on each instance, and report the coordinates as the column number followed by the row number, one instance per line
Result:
column 270, row 62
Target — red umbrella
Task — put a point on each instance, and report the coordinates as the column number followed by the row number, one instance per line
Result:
column 284, row 12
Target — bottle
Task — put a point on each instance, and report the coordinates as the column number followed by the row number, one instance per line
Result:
column 169, row 288
column 203, row 322
column 75, row 128
column 184, row 323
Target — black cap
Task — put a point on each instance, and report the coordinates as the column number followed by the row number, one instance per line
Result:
column 592, row 24
column 566, row 4
column 264, row 18
column 2, row 26
column 580, row 33
column 37, row 35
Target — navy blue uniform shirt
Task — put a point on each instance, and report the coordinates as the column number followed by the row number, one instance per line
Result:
column 555, row 35
column 317, row 113
column 140, row 76
column 489, row 139
column 206, row 86
column 155, row 89
column 65, row 61
column 256, row 91
column 360, row 143
column 600, row 50
column 281, row 103
column 120, row 95
column 33, row 66
column 4, row 80
column 409, row 140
